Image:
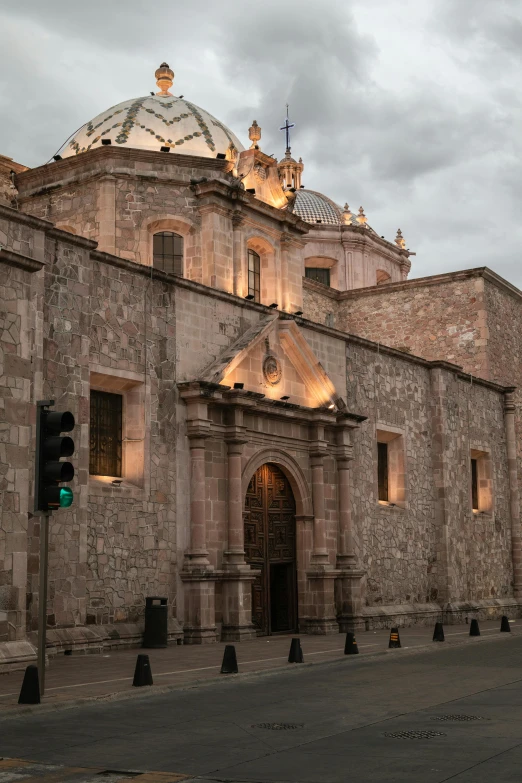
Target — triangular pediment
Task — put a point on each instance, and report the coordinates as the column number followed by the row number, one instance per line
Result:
column 274, row 358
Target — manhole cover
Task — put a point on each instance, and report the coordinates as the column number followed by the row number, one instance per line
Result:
column 278, row 726
column 457, row 717
column 414, row 734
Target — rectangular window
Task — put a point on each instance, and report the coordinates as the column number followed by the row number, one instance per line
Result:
column 382, row 470
column 105, row 457
column 391, row 475
column 254, row 275
column 474, row 486
column 167, row 252
column 481, row 482
column 318, row 274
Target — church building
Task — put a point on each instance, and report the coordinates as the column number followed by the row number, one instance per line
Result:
column 276, row 429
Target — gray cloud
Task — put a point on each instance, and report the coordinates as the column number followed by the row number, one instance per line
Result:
column 409, row 108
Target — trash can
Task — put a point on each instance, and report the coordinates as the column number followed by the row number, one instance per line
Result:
column 156, row 622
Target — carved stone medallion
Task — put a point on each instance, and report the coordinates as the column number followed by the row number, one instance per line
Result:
column 272, row 370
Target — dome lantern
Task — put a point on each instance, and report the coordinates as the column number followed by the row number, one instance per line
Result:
column 164, row 79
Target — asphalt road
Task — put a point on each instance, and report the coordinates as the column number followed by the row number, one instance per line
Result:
column 340, row 715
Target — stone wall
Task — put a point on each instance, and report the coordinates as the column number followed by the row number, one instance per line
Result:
column 415, row 553
column 320, row 303
column 442, row 317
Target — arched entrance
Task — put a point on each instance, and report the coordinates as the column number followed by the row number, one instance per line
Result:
column 270, row 547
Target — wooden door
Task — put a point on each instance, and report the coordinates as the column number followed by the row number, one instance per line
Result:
column 270, row 547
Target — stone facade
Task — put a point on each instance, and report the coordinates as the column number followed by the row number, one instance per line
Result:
column 214, row 386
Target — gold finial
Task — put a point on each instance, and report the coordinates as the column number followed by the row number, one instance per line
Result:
column 399, row 240
column 164, row 78
column 254, row 134
column 361, row 217
column 347, row 215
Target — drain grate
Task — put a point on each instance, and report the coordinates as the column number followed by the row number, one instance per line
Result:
column 278, row 726
column 457, row 717
column 414, row 734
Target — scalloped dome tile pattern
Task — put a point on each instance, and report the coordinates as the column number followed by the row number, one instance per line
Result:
column 312, row 206
column 156, row 121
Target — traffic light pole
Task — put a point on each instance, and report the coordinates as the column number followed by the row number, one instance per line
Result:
column 42, row 599
column 43, row 568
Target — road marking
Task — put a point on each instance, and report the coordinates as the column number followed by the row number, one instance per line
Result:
column 181, row 671
column 208, row 668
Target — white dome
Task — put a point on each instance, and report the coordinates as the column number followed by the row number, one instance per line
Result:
column 156, row 121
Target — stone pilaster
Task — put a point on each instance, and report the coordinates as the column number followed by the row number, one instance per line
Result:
column 239, row 283
column 238, row 576
column 321, row 576
column 348, row 583
column 198, row 574
column 514, row 500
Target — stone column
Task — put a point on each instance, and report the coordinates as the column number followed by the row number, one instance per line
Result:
column 320, row 552
column 198, row 574
column 237, row 585
column 514, row 501
column 348, row 585
column 321, row 576
column 197, row 553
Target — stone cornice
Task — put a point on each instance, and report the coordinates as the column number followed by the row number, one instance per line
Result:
column 213, row 187
column 19, row 261
column 324, row 290
column 48, row 228
column 27, row 220
column 433, row 280
column 112, row 154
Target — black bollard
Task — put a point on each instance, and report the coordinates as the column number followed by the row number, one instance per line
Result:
column 438, row 633
column 296, row 653
column 142, row 672
column 350, row 646
column 229, row 665
column 395, row 639
column 30, row 691
column 504, row 625
column 474, row 629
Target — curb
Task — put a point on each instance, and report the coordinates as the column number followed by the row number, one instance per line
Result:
column 21, row 711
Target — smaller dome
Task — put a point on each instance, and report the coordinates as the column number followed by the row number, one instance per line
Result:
column 314, row 207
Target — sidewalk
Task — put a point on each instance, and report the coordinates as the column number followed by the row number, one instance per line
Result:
column 74, row 678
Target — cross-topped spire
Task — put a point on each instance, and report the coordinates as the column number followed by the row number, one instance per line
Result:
column 286, row 127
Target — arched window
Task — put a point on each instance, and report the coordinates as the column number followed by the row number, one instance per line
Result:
column 167, row 252
column 254, row 276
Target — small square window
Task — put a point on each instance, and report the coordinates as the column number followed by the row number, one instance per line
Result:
column 320, row 275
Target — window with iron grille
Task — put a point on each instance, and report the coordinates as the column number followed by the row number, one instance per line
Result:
column 168, row 252
column 319, row 274
column 382, row 470
column 105, row 434
column 254, row 275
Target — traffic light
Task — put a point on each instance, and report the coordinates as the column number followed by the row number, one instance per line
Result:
column 51, row 446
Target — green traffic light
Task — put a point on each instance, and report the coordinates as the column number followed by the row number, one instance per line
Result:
column 66, row 497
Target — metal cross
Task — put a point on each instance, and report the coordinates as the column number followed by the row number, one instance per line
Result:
column 286, row 127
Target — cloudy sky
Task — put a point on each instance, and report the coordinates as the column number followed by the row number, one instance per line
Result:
column 411, row 108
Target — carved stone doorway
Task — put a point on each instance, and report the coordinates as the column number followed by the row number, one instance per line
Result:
column 270, row 547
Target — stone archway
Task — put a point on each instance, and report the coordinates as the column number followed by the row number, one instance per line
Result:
column 271, row 550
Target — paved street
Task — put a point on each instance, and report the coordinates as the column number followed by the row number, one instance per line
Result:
column 338, row 717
